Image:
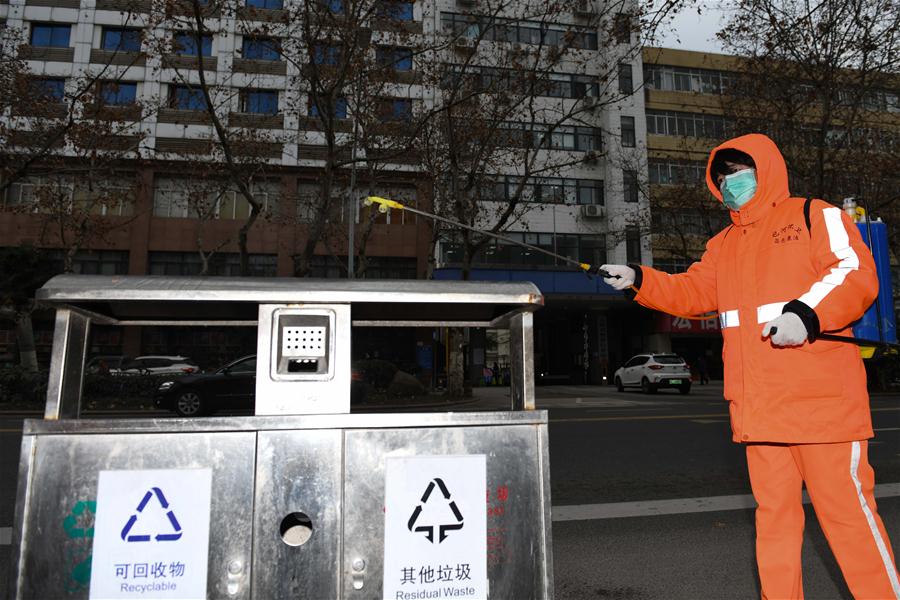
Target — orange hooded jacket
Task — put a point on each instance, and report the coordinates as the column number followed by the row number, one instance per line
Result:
column 764, row 264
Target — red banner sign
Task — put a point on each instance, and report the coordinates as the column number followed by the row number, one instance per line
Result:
column 670, row 324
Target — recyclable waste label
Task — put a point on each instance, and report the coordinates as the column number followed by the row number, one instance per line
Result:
column 151, row 534
column 435, row 527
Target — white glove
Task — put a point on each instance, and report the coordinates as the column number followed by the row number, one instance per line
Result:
column 786, row 330
column 625, row 277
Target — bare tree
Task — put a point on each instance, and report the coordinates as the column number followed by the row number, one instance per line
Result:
column 823, row 80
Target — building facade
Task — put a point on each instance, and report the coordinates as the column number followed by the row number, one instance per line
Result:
column 114, row 160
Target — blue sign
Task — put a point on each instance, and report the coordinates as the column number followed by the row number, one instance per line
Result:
column 160, row 537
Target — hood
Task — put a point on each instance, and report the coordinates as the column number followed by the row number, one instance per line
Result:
column 771, row 176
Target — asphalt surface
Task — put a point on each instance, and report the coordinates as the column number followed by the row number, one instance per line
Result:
column 610, row 449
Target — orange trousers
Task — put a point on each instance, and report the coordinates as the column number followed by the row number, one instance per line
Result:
column 840, row 482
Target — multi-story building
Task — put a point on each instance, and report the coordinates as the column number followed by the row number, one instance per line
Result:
column 140, row 76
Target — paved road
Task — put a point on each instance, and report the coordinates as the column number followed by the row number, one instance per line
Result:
column 650, row 496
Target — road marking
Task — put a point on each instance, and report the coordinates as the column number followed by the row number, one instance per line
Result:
column 19, row 430
column 666, row 417
column 887, row 429
column 643, row 508
column 636, row 418
column 708, row 421
column 679, row 506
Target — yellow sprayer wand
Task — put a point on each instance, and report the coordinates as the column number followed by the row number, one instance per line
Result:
column 385, row 205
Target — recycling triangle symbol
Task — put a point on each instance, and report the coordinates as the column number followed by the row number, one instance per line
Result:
column 160, row 537
column 428, row 530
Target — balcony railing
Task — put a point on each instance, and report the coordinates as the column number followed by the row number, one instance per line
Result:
column 256, row 121
column 180, row 61
column 46, row 53
column 263, row 67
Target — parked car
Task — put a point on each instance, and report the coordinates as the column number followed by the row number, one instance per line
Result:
column 230, row 387
column 651, row 372
column 104, row 363
column 157, row 365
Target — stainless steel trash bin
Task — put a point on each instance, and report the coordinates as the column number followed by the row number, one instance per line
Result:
column 299, row 500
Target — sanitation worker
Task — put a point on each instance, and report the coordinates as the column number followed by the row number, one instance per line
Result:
column 798, row 404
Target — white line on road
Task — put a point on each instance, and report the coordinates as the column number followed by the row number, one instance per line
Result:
column 887, row 429
column 648, row 508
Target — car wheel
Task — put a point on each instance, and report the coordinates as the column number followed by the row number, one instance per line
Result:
column 189, row 404
column 685, row 389
column 647, row 387
column 619, row 385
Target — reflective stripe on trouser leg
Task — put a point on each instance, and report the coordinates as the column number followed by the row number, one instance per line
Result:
column 777, row 488
column 841, row 483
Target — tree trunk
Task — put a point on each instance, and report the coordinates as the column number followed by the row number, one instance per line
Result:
column 25, row 342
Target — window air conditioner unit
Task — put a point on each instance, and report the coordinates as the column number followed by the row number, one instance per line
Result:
column 591, row 157
column 464, row 44
column 590, row 102
column 583, row 9
column 592, row 211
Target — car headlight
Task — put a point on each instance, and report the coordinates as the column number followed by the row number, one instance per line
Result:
column 165, row 385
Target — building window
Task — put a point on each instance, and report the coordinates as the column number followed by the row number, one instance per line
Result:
column 660, row 122
column 260, row 102
column 182, row 97
column 257, row 48
column 118, row 93
column 632, row 244
column 394, row 10
column 395, row 109
column 393, row 57
column 185, row 44
column 220, row 264
column 93, row 262
column 327, row 55
column 120, row 39
column 629, row 139
column 672, row 265
column 626, row 81
column 46, row 35
column 184, row 198
column 562, row 137
column 491, row 28
column 340, row 108
column 266, row 4
column 622, row 27
column 683, row 79
column 335, row 7
column 554, row 190
column 499, row 80
column 590, row 249
column 630, row 186
column 664, row 172
column 49, row 89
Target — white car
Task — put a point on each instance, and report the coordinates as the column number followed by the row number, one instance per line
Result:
column 653, row 371
column 158, row 365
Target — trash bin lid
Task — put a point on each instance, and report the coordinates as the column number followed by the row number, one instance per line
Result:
column 148, row 299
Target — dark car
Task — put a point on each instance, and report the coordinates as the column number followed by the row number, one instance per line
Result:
column 232, row 386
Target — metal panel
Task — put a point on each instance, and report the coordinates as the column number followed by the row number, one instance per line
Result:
column 518, row 527
column 286, row 422
column 70, row 338
column 64, row 471
column 298, row 471
column 521, row 361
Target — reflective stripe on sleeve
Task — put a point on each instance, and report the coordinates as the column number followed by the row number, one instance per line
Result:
column 767, row 312
column 839, row 242
column 729, row 318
